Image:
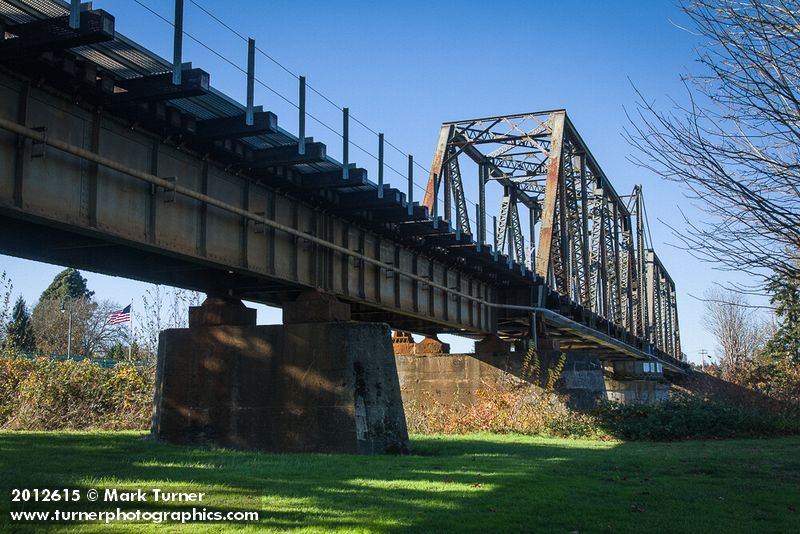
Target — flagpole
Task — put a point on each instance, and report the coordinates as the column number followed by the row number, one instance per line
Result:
column 130, row 338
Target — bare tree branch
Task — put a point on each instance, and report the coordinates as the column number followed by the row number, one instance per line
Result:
column 735, row 145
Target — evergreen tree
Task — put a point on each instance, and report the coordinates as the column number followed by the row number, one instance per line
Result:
column 67, row 285
column 19, row 333
column 67, row 297
column 786, row 299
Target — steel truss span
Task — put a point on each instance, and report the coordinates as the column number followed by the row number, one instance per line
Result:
column 583, row 239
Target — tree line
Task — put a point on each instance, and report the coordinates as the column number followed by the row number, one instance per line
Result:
column 68, row 318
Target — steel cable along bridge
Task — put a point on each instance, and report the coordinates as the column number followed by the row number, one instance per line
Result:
column 115, row 161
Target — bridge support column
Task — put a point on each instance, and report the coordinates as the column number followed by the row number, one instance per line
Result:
column 633, row 382
column 327, row 386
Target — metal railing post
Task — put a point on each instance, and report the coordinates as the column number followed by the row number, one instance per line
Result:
column 301, row 120
column 380, row 165
column 177, row 44
column 75, row 14
column 494, row 221
column 479, row 239
column 345, row 143
column 251, row 76
column 410, row 184
column 435, row 200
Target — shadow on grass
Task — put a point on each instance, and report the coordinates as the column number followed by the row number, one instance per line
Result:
column 465, row 483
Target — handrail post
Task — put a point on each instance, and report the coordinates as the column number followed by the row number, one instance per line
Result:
column 479, row 239
column 177, row 44
column 75, row 14
column 301, row 120
column 380, row 165
column 494, row 221
column 345, row 143
column 435, row 201
column 251, row 76
column 410, row 184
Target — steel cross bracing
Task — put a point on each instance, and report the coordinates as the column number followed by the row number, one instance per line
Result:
column 585, row 241
column 582, row 260
column 508, row 228
column 453, row 179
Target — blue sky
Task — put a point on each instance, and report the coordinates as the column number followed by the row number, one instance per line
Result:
column 403, row 68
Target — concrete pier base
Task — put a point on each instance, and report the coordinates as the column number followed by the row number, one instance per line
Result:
column 305, row 387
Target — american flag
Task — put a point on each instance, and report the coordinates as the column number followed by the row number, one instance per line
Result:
column 121, row 316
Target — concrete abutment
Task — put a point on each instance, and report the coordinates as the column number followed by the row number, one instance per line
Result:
column 584, row 381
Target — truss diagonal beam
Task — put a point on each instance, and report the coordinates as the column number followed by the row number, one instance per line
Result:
column 543, row 264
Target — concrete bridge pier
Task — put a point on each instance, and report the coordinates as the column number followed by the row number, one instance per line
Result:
column 317, row 383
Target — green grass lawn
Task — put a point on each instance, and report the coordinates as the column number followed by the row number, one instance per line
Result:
column 479, row 482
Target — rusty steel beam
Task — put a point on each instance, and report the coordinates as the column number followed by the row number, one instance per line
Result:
column 435, row 177
column 549, row 204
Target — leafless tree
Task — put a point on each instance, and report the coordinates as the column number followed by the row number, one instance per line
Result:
column 91, row 332
column 163, row 307
column 739, row 330
column 98, row 332
column 735, row 147
column 6, row 288
column 50, row 320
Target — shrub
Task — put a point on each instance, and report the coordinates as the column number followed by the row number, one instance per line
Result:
column 527, row 409
column 518, row 408
column 41, row 394
column 687, row 417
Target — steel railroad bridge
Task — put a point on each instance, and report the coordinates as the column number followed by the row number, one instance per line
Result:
column 116, row 162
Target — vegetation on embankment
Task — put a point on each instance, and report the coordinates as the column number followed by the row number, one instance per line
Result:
column 478, row 482
column 680, row 418
column 701, row 406
column 40, row 394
